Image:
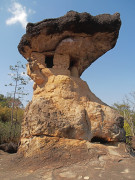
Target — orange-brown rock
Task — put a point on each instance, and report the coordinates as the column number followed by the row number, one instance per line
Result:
column 66, row 107
column 52, row 158
column 58, row 51
column 73, row 41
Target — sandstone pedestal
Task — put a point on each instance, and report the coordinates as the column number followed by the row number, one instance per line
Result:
column 63, row 107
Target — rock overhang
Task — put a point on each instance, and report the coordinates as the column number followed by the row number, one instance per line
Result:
column 74, row 41
column 58, row 51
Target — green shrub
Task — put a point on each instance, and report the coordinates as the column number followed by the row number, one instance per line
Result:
column 127, row 129
column 7, row 134
column 10, row 119
column 5, row 114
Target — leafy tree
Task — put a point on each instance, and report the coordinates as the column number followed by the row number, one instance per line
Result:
column 6, row 133
column 18, row 83
column 4, row 101
column 5, row 114
column 127, row 110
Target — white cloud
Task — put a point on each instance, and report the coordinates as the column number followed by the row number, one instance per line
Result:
column 19, row 14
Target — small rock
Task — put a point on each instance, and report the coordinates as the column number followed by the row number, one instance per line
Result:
column 86, row 177
column 67, row 174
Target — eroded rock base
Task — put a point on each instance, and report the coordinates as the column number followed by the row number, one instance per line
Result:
column 67, row 159
column 69, row 150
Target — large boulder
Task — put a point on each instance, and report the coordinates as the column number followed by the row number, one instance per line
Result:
column 58, row 51
column 67, row 108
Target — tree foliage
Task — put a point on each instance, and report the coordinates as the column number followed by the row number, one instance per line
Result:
column 11, row 107
column 6, row 133
column 127, row 110
column 18, row 82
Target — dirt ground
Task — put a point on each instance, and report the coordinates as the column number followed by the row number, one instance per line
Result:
column 13, row 167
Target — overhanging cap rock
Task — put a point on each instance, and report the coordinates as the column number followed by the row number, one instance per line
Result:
column 77, row 23
column 46, row 35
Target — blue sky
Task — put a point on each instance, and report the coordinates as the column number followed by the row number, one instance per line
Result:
column 111, row 77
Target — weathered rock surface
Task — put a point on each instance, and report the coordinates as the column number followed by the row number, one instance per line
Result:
column 67, row 108
column 58, row 51
column 74, row 41
column 68, row 159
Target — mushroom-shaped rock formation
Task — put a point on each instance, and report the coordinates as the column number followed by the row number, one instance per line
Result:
column 58, row 51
